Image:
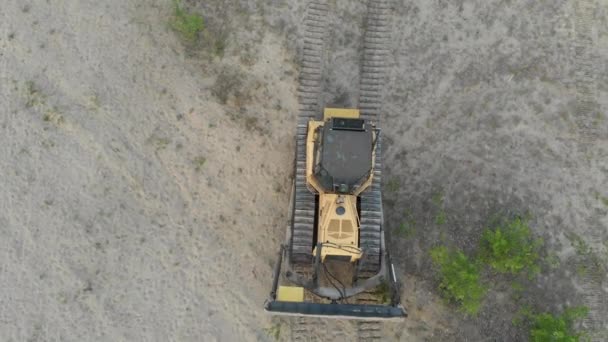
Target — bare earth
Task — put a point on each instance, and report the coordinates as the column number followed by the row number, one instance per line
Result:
column 144, row 183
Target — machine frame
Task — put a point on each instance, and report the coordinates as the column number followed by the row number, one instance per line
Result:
column 287, row 300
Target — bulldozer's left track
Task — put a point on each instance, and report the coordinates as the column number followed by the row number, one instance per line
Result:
column 373, row 70
column 311, row 83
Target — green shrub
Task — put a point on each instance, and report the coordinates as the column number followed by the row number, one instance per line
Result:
column 510, row 248
column 460, row 278
column 546, row 327
column 188, row 25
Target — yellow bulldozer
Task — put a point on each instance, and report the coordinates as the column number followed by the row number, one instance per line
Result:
column 335, row 251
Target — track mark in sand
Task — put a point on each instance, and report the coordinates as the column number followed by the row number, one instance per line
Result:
column 375, row 54
column 309, row 91
column 589, row 121
column 373, row 72
column 301, row 329
column 369, row 331
column 594, row 295
column 312, row 57
column 588, row 117
column 371, row 88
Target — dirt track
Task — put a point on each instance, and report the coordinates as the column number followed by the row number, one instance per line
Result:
column 144, row 184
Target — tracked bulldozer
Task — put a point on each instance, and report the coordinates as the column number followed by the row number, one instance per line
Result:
column 335, row 254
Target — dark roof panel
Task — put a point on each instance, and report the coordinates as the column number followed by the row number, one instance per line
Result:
column 346, row 155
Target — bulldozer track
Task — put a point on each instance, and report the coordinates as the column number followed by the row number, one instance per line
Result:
column 368, row 331
column 303, row 328
column 374, row 61
column 587, row 108
column 587, row 116
column 373, row 75
column 309, row 91
column 594, row 296
column 371, row 87
column 312, row 57
column 372, row 217
column 373, row 70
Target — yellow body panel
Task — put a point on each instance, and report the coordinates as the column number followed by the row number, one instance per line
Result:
column 338, row 226
column 340, row 113
column 310, row 149
column 290, row 294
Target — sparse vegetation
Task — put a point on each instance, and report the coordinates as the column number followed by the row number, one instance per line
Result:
column 93, row 102
column 33, row 95
column 159, row 143
column 460, row 278
column 440, row 218
column 188, row 25
column 438, row 199
column 274, row 331
column 547, row 327
column 580, row 246
column 510, row 248
column 518, row 290
column 590, row 261
column 199, row 162
column 251, row 123
column 407, row 227
column 53, row 116
column 552, row 260
column 248, row 56
column 382, row 293
column 393, row 185
column 592, row 266
column 220, row 46
column 229, row 83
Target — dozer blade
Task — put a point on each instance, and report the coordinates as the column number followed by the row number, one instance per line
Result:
column 341, row 311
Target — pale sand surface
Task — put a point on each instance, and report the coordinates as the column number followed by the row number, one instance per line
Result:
column 144, row 185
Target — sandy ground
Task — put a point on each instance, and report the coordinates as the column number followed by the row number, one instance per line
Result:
column 144, row 184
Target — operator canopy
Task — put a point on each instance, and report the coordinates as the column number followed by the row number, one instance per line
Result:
column 343, row 154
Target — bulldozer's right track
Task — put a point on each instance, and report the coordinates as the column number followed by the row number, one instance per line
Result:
column 373, row 77
column 374, row 62
column 587, row 109
column 372, row 80
column 373, row 71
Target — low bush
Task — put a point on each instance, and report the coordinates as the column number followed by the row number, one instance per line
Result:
column 188, row 25
column 547, row 327
column 510, row 247
column 460, row 278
